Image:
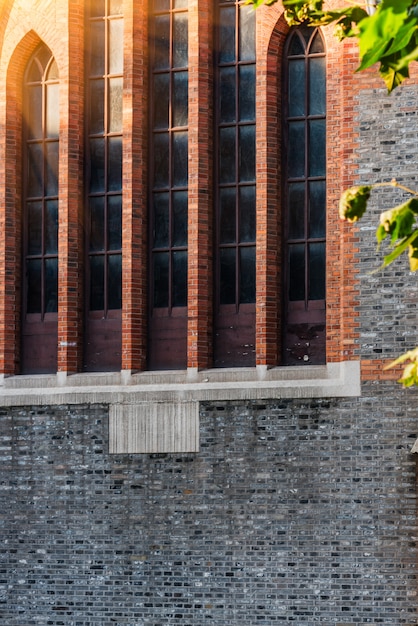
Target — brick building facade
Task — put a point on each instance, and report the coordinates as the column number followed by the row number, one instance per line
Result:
column 195, row 421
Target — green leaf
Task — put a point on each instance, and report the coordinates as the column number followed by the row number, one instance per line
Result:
column 399, row 249
column 353, row 202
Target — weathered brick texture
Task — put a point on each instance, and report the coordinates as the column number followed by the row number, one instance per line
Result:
column 292, row 512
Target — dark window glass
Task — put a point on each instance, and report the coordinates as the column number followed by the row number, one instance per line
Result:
column 96, row 283
column 247, row 93
column 34, row 281
column 161, row 279
column 51, row 285
column 97, row 231
column 236, row 154
column 227, row 215
column 104, row 159
column 247, row 229
column 227, row 276
column 51, row 227
column 41, row 150
column 297, row 272
column 169, row 154
column 296, row 150
column 180, row 99
column 180, row 278
column 306, row 161
column 179, row 199
column 115, row 281
column 317, row 271
column 161, row 214
column 247, row 275
column 296, row 210
column 297, row 84
column 34, row 231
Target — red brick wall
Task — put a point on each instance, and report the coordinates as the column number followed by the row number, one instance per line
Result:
column 61, row 28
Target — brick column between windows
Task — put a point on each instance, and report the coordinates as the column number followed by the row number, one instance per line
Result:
column 135, row 180
column 200, row 264
column 269, row 54
column 70, row 238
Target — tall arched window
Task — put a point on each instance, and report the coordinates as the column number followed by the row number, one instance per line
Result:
column 40, row 214
column 235, row 203
column 168, row 184
column 104, row 187
column 305, row 197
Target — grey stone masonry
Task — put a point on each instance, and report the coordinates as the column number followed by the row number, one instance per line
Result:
column 293, row 512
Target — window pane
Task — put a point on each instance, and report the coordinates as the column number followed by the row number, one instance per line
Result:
column 296, row 210
column 161, row 100
column 115, row 7
column 180, row 99
column 317, row 148
column 53, row 71
column 227, row 104
column 227, row 155
column 114, row 173
column 34, row 275
column 97, row 8
column 34, row 109
column 161, row 265
column 296, row 149
column 180, row 278
column 52, row 111
column 296, row 46
column 97, row 174
column 227, row 35
column 51, row 169
column 247, row 153
column 180, row 159
column 247, row 93
column 161, row 220
column 162, row 42
column 227, row 218
column 161, row 5
column 317, row 86
column 317, row 208
column 51, row 227
column 180, row 4
column 247, row 275
column 179, row 200
column 97, row 47
column 297, row 87
column 114, row 222
column 35, row 167
column 96, row 283
column 115, row 105
column 317, row 45
column 180, row 40
column 114, row 285
column 247, row 214
column 317, row 271
column 115, row 46
column 161, row 160
column 227, row 276
column 96, row 118
column 297, row 272
column 34, row 227
column 247, row 33
column 51, row 285
column 97, row 224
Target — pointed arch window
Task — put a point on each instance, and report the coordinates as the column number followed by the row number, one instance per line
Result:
column 235, row 252
column 40, row 214
column 305, row 197
column 169, row 52
column 104, row 187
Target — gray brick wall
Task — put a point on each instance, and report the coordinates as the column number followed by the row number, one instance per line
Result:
column 293, row 512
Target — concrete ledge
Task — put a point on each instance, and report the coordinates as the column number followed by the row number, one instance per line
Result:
column 332, row 380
